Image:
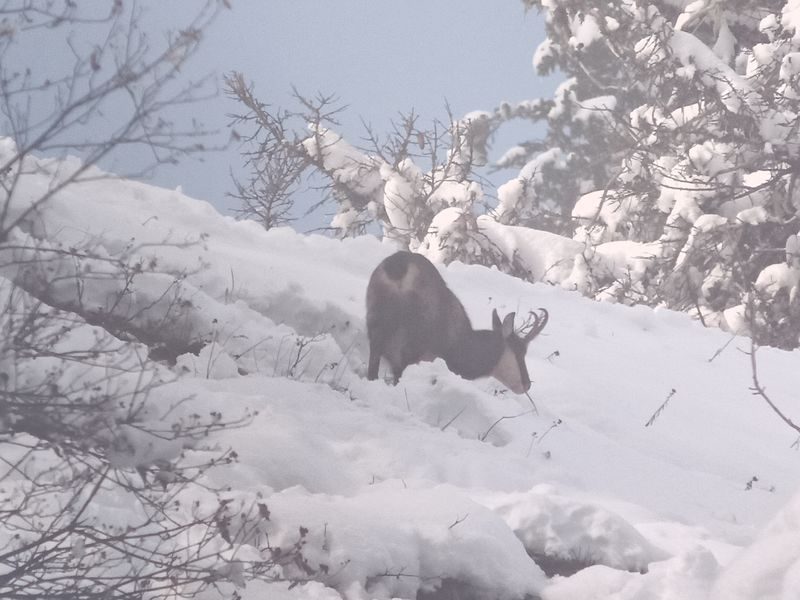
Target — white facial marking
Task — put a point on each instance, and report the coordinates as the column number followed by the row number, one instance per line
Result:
column 408, row 281
column 507, row 372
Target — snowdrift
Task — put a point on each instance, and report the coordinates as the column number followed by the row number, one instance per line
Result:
column 441, row 485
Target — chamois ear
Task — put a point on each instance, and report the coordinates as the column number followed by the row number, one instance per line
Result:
column 508, row 325
column 496, row 324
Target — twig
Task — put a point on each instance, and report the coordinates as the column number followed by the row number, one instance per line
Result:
column 533, row 404
column 722, row 349
column 759, row 390
column 555, row 424
column 534, row 439
column 660, row 409
column 458, row 521
column 488, row 431
column 458, row 414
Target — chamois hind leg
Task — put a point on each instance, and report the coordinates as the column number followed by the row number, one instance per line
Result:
column 397, row 372
column 375, row 352
column 374, row 363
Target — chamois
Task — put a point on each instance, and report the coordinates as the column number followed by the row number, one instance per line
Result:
column 413, row 316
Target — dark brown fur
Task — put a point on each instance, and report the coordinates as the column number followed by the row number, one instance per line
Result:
column 412, row 316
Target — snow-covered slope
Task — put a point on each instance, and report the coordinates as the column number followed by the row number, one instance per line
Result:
column 445, row 483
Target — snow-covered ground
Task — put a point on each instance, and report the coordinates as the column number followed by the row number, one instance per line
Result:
column 443, row 482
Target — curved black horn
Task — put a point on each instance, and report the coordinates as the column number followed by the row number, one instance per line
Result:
column 540, row 320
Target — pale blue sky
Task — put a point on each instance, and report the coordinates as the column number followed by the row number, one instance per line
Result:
column 378, row 57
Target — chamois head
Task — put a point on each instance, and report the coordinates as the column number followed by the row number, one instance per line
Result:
column 511, row 369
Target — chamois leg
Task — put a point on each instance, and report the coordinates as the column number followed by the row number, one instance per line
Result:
column 397, row 371
column 374, row 359
column 374, row 363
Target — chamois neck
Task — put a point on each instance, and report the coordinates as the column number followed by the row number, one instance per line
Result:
column 475, row 354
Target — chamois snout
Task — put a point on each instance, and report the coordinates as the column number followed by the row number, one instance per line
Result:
column 511, row 369
column 413, row 316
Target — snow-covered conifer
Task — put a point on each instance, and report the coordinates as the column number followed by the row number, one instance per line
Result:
column 679, row 121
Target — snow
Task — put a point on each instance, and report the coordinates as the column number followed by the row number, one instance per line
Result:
column 793, row 250
column 544, row 51
column 725, row 47
column 440, row 481
column 777, row 277
column 585, row 31
column 564, row 96
column 546, row 256
column 448, row 232
column 753, row 216
column 511, row 156
column 690, row 14
column 769, row 25
column 599, row 214
column 553, row 525
column 402, row 187
column 428, row 535
column 733, row 89
column 790, row 17
column 532, row 169
column 770, row 568
column 595, row 108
